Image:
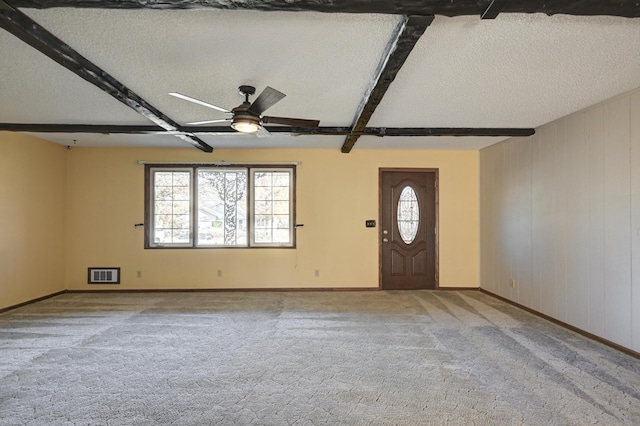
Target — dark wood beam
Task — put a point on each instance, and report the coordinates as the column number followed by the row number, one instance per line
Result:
column 447, row 131
column 141, row 130
column 374, row 131
column 494, row 9
column 30, row 32
column 626, row 8
column 405, row 37
column 80, row 128
column 322, row 131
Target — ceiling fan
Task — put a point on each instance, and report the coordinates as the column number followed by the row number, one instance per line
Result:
column 247, row 117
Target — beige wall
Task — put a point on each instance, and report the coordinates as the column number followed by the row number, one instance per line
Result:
column 336, row 193
column 32, row 218
column 560, row 214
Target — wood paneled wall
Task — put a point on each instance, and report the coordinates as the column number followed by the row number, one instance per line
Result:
column 560, row 215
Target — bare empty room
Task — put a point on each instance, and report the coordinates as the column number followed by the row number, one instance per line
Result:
column 306, row 212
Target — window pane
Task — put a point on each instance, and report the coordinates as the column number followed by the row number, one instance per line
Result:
column 281, row 221
column 263, row 236
column 263, row 207
column 280, row 207
column 181, row 179
column 180, row 207
column 263, row 221
column 281, row 193
column 162, row 221
column 281, row 236
column 408, row 215
column 163, row 207
column 181, row 222
column 181, row 193
column 263, row 193
column 164, row 193
column 262, row 178
column 164, row 179
column 180, row 236
column 222, row 207
column 281, row 179
column 162, row 236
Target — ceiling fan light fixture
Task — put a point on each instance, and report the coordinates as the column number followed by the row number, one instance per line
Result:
column 247, row 117
column 245, row 124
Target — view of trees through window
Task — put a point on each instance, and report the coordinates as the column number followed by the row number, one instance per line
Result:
column 172, row 197
column 222, row 207
column 272, row 206
column 202, row 206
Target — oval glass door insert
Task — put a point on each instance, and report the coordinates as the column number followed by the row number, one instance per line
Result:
column 408, row 215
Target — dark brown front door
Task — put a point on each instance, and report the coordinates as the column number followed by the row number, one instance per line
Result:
column 408, row 229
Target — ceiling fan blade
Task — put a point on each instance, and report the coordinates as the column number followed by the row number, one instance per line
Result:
column 266, row 100
column 294, row 122
column 199, row 102
column 196, row 123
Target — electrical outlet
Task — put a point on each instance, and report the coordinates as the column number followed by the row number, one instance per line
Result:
column 139, row 274
column 316, row 273
column 219, row 272
column 513, row 283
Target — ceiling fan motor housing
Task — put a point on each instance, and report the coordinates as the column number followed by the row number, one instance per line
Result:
column 245, row 121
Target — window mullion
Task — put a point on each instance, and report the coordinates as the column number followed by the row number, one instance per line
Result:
column 194, row 206
column 251, row 211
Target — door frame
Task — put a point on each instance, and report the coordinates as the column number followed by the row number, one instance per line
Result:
column 435, row 171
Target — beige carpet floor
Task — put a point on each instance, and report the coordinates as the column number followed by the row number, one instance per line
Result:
column 304, row 358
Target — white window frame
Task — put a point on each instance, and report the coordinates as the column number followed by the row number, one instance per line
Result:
column 149, row 237
column 151, row 169
column 252, row 209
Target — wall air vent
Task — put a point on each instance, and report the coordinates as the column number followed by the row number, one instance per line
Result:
column 104, row 276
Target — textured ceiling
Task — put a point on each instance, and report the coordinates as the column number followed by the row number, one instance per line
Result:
column 37, row 90
column 518, row 70
column 515, row 71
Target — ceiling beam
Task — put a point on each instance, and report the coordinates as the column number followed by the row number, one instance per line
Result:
column 493, row 10
column 327, row 131
column 30, row 32
column 406, row 35
column 447, row 131
column 81, row 128
column 625, row 8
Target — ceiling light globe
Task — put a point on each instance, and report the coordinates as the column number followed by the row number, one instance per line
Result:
column 245, row 122
column 245, row 126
